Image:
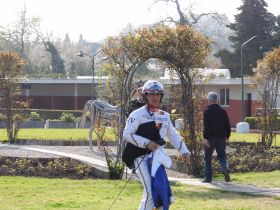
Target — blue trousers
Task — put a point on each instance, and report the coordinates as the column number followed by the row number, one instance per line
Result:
column 220, row 145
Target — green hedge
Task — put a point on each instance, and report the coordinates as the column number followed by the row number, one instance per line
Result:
column 55, row 114
column 46, row 114
column 254, row 122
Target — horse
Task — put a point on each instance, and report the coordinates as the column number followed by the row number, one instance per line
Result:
column 100, row 112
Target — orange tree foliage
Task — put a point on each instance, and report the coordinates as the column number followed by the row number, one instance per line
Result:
column 10, row 92
column 183, row 50
column 267, row 80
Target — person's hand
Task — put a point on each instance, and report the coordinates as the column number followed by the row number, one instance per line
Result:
column 186, row 157
column 152, row 146
column 206, row 143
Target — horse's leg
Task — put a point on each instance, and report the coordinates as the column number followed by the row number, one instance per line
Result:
column 113, row 123
column 92, row 119
column 98, row 124
column 90, row 137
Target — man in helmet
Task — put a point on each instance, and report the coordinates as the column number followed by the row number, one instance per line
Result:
column 141, row 146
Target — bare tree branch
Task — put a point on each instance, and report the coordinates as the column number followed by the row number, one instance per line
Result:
column 170, row 20
column 183, row 18
column 196, row 18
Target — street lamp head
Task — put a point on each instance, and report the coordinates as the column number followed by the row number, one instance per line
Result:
column 80, row 54
column 105, row 58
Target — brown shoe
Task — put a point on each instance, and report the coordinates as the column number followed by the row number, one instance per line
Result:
column 227, row 177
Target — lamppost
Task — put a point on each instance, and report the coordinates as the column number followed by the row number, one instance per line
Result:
column 242, row 78
column 244, row 128
column 92, row 58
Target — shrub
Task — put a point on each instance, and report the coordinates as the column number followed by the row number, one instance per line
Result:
column 116, row 169
column 56, row 114
column 255, row 122
column 2, row 117
column 88, row 116
column 67, row 117
column 252, row 122
column 34, row 116
column 244, row 158
column 45, row 167
column 252, row 158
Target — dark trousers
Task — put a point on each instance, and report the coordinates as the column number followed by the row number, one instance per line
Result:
column 220, row 145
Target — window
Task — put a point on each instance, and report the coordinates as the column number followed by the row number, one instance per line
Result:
column 224, row 97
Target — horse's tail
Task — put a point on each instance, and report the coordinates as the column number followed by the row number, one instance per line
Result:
column 84, row 115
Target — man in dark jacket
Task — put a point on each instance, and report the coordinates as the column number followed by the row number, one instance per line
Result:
column 137, row 102
column 216, row 134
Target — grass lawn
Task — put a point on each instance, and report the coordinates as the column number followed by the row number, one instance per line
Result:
column 82, row 134
column 41, row 193
column 250, row 137
column 262, row 179
column 55, row 134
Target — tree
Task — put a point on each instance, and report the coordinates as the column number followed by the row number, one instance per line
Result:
column 20, row 35
column 253, row 19
column 267, row 81
column 83, row 66
column 183, row 50
column 10, row 95
column 57, row 65
column 217, row 31
column 124, row 64
column 211, row 24
column 120, row 50
column 20, row 32
column 57, row 62
column 142, row 70
column 190, row 18
column 276, row 40
column 66, row 41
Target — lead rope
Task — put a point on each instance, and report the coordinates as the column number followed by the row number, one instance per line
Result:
column 133, row 172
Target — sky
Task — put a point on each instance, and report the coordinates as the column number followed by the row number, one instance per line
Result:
column 98, row 19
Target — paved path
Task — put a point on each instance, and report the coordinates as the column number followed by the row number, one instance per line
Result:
column 229, row 186
column 89, row 160
column 97, row 159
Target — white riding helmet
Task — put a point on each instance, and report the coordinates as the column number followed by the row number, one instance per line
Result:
column 153, row 86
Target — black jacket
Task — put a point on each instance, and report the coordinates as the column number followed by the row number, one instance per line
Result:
column 216, row 122
column 131, row 152
column 135, row 104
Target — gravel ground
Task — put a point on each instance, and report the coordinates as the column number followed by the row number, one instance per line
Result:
column 15, row 152
column 79, row 150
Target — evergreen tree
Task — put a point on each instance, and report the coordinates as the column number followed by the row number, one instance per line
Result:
column 67, row 41
column 57, row 64
column 81, row 41
column 253, row 19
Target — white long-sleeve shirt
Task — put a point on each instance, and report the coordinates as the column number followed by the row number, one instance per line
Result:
column 141, row 116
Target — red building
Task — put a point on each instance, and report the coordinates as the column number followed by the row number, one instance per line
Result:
column 71, row 94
